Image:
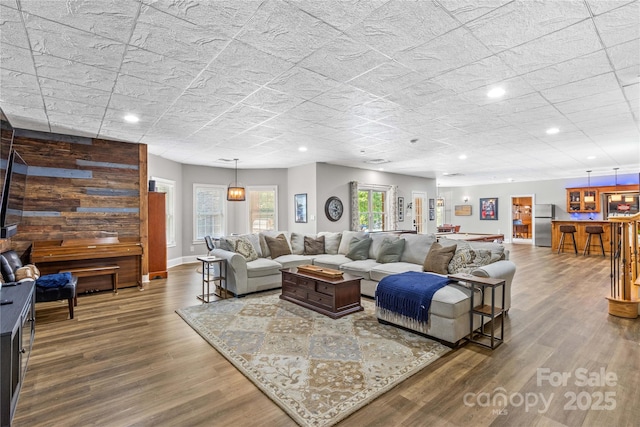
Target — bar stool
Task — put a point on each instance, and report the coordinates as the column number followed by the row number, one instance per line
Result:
column 567, row 229
column 591, row 230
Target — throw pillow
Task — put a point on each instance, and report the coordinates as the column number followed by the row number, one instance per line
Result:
column 359, row 249
column 278, row 246
column 390, row 251
column 331, row 242
column 24, row 273
column 313, row 246
column 483, row 257
column 246, row 249
column 461, row 260
column 437, row 260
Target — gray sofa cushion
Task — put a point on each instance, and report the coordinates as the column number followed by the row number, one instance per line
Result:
column 383, row 270
column 390, row 251
column 417, row 247
column 331, row 261
column 263, row 267
column 377, row 239
column 360, row 268
column 331, row 242
column 292, row 260
column 297, row 243
column 452, row 301
column 346, row 240
column 359, row 249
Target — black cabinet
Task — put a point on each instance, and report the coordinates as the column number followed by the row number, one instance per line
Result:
column 17, row 326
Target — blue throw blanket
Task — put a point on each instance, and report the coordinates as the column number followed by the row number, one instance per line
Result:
column 53, row 280
column 410, row 293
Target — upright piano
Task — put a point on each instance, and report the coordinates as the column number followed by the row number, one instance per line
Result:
column 53, row 256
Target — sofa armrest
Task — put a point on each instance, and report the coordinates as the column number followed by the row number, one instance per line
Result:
column 236, row 276
column 502, row 269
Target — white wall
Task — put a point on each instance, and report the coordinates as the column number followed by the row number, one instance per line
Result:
column 302, row 180
column 321, row 180
column 334, row 180
column 544, row 192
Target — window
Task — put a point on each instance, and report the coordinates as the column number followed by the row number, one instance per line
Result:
column 169, row 187
column 263, row 212
column 209, row 208
column 372, row 208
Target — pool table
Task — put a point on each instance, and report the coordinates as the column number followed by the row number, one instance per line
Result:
column 477, row 237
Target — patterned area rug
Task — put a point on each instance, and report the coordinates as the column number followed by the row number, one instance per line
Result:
column 317, row 369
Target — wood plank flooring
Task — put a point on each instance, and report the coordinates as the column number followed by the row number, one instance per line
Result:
column 129, row 360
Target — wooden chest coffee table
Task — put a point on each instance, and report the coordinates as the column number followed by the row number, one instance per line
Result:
column 332, row 297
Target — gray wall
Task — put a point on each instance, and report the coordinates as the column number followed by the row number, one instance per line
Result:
column 167, row 169
column 320, row 181
column 543, row 192
column 334, row 181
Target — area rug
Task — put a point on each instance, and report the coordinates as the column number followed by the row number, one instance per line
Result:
column 317, row 369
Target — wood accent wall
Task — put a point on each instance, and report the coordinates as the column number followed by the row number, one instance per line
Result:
column 80, row 188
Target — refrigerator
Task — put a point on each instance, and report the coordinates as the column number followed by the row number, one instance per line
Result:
column 542, row 224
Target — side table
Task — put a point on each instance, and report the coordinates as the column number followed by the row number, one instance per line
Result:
column 484, row 310
column 209, row 275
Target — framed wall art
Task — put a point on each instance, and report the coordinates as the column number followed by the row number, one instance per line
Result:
column 462, row 210
column 432, row 203
column 300, row 203
column 489, row 208
column 401, row 209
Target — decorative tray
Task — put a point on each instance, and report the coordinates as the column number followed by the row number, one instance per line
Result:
column 320, row 271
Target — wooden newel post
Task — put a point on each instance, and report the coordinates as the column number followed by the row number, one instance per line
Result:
column 623, row 301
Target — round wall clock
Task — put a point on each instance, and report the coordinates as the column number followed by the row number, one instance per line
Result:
column 333, row 208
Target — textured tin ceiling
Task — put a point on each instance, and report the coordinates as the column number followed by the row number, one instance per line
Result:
column 352, row 81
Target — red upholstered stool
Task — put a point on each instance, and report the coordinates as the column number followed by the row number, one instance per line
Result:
column 567, row 229
column 591, row 230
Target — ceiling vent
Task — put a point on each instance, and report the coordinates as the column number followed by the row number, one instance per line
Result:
column 453, row 174
column 225, row 160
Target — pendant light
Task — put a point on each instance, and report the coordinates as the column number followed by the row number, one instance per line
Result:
column 235, row 191
column 589, row 198
column 616, row 197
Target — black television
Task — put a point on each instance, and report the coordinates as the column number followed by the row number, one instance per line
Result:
column 15, row 188
column 6, row 141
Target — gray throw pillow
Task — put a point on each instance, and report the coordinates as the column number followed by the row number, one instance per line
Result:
column 390, row 251
column 437, row 260
column 246, row 249
column 359, row 249
column 313, row 246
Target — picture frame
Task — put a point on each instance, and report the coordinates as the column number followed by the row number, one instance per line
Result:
column 432, row 203
column 300, row 207
column 432, row 214
column 401, row 209
column 462, row 210
column 489, row 209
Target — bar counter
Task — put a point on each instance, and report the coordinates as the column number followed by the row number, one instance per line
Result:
column 581, row 236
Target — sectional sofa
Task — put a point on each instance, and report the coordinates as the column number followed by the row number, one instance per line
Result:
column 251, row 268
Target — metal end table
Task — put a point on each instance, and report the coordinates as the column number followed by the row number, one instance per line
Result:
column 209, row 276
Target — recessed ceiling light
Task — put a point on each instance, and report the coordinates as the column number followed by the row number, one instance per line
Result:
column 380, row 169
column 462, row 156
column 496, row 92
column 552, row 131
column 131, row 118
column 303, row 149
column 591, row 157
column 510, row 179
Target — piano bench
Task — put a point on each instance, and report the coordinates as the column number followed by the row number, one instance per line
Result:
column 111, row 270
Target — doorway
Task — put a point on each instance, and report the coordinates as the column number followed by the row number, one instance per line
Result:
column 521, row 219
column 419, row 211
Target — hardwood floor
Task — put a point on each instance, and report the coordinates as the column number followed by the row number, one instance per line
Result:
column 128, row 359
